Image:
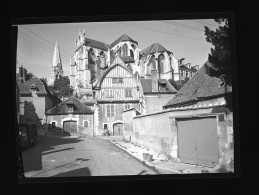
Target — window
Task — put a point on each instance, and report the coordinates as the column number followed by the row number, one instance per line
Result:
column 53, row 124
column 181, row 73
column 124, row 50
column 110, row 110
column 117, row 80
column 132, row 54
column 187, row 74
column 85, row 123
column 128, row 93
column 70, row 108
column 109, row 93
column 161, row 59
column 127, row 106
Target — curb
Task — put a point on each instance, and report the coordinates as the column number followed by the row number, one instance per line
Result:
column 138, row 159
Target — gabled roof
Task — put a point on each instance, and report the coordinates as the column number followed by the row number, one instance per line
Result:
column 96, row 44
column 155, row 47
column 200, row 86
column 79, row 108
column 117, row 62
column 25, row 87
column 147, row 86
column 124, row 37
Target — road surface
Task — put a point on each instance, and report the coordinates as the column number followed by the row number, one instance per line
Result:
column 54, row 156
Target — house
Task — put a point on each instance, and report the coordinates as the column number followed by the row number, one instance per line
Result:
column 156, row 93
column 195, row 126
column 35, row 99
column 116, row 90
column 186, row 70
column 70, row 117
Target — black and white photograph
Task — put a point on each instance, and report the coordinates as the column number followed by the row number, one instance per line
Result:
column 125, row 98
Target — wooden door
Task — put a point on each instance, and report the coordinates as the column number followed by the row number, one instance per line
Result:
column 70, row 126
column 198, row 141
column 118, row 129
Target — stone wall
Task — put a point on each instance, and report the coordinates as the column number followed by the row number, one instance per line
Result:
column 158, row 133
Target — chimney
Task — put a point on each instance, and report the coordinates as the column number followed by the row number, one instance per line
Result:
column 24, row 75
column 154, row 80
column 21, row 71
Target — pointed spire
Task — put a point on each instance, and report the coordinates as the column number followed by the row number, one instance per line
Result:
column 56, row 57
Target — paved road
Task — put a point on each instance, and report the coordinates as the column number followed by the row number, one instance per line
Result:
column 72, row 156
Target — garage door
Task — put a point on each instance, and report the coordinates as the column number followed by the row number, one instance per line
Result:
column 198, row 141
column 70, row 126
column 118, row 129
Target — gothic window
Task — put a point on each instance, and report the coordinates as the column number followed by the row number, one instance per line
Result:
column 132, row 54
column 152, row 63
column 161, row 63
column 124, row 50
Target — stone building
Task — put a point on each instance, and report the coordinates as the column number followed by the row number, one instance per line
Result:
column 35, row 99
column 70, row 117
column 156, row 93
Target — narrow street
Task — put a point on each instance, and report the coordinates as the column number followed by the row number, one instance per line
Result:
column 71, row 156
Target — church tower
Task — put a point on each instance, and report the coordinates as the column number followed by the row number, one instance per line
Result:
column 56, row 70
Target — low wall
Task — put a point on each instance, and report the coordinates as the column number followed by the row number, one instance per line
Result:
column 158, row 132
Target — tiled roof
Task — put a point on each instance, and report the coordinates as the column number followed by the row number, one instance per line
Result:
column 61, row 108
column 200, row 86
column 25, row 87
column 155, row 47
column 147, row 86
column 124, row 37
column 96, row 44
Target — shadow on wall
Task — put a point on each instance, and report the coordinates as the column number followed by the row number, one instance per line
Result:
column 82, row 172
column 32, row 158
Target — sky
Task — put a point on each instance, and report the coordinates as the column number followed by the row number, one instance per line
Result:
column 36, row 42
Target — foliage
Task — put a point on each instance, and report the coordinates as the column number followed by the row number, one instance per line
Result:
column 219, row 57
column 61, row 87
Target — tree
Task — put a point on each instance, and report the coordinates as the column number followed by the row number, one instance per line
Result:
column 61, row 87
column 219, row 58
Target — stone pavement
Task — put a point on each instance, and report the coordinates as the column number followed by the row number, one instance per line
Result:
column 159, row 163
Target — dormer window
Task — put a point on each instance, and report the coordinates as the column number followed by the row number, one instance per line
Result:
column 70, row 108
column 33, row 88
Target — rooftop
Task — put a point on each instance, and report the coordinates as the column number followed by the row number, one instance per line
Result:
column 200, row 86
column 124, row 37
column 155, row 47
column 147, row 86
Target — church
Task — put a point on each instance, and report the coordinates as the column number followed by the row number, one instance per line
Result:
column 116, row 77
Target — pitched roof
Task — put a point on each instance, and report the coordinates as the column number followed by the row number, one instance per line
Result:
column 124, row 37
column 200, row 86
column 25, row 87
column 96, row 44
column 127, row 59
column 61, row 108
column 155, row 47
column 147, row 86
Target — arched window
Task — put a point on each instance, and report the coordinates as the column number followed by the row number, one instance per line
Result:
column 124, row 50
column 132, row 54
column 152, row 63
column 161, row 61
column 148, row 71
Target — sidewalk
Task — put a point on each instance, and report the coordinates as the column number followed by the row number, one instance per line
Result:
column 159, row 163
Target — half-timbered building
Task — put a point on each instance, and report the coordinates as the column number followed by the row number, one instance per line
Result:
column 117, row 90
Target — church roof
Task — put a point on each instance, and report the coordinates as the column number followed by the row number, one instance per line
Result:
column 200, row 86
column 155, row 47
column 96, row 44
column 61, row 108
column 147, row 86
column 56, row 61
column 124, row 37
